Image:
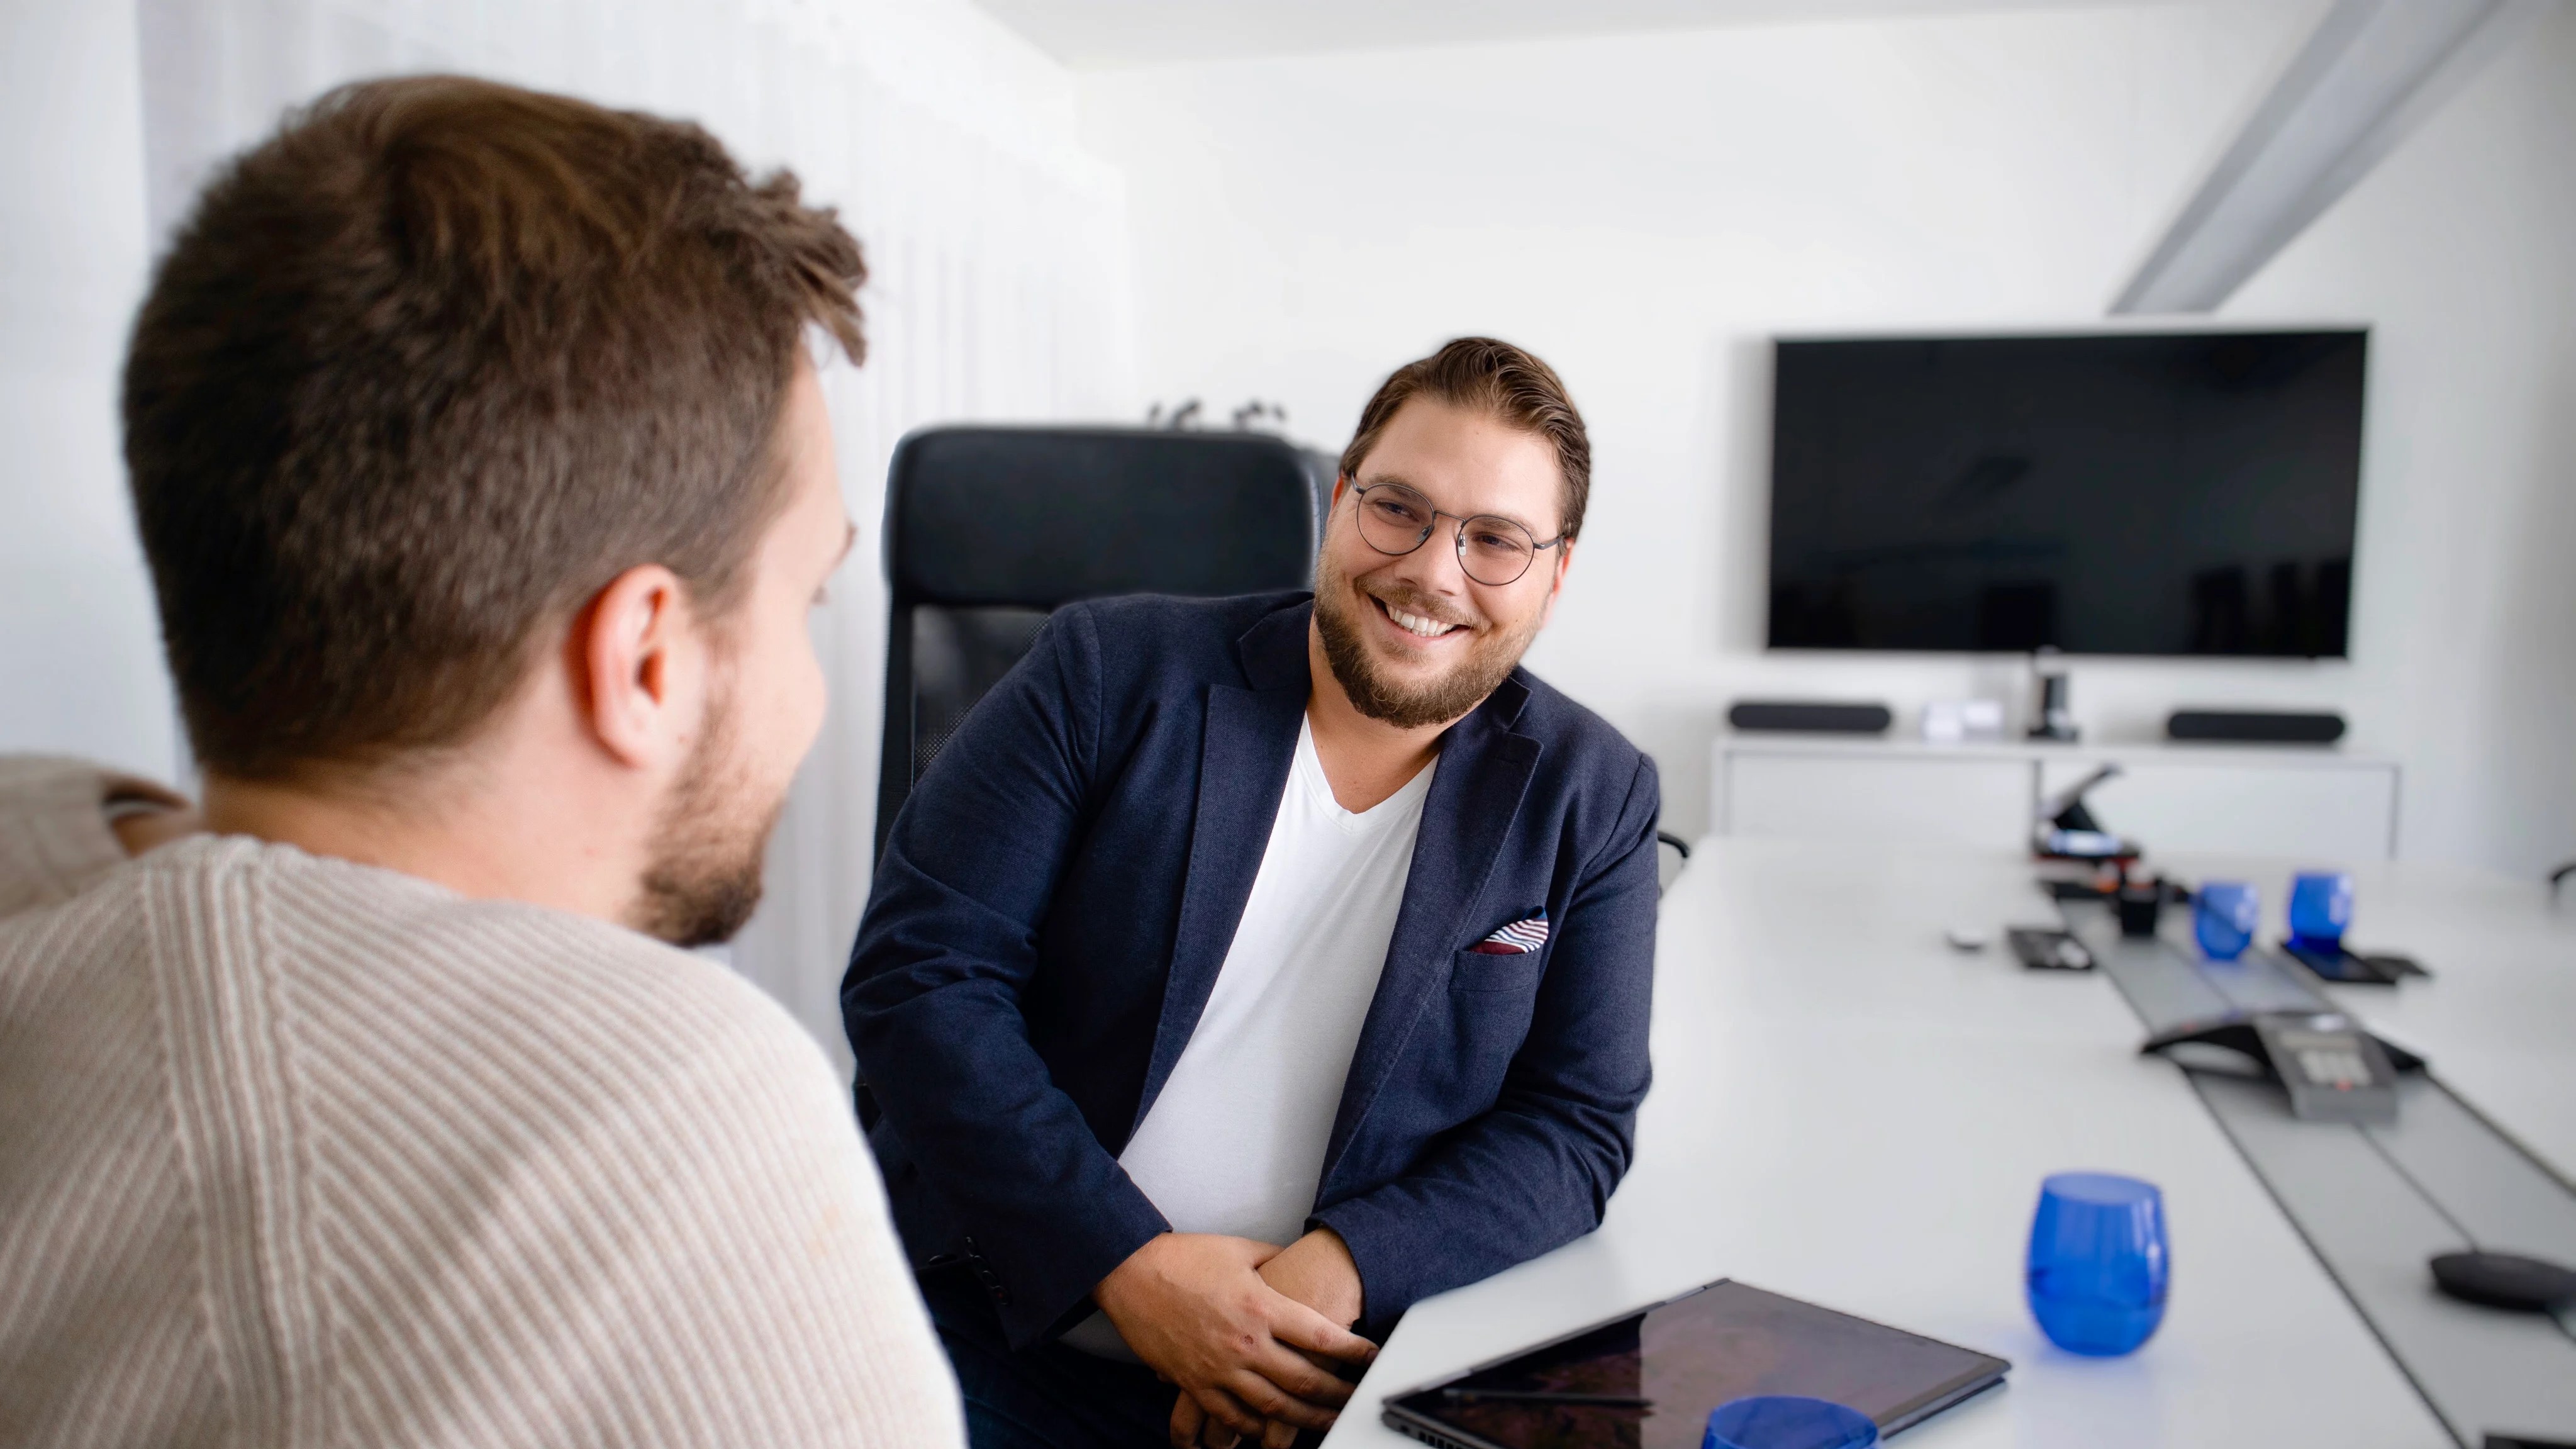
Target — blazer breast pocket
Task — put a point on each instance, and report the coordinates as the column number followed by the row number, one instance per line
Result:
column 1480, row 971
column 1492, row 1000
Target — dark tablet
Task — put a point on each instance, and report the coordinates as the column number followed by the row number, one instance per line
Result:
column 1648, row 1380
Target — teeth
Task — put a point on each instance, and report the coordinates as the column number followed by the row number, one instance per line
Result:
column 1416, row 624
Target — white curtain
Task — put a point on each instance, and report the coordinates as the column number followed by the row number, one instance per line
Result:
column 995, row 249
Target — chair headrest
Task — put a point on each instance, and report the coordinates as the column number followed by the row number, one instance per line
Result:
column 1041, row 516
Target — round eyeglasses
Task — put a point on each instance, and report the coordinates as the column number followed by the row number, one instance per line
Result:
column 1494, row 551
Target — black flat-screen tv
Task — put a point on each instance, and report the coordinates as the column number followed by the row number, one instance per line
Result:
column 2136, row 493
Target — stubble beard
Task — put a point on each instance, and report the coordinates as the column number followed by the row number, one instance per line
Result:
column 1489, row 659
column 710, row 845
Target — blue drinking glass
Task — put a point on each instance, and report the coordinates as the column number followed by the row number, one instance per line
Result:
column 2223, row 916
column 2098, row 1262
column 1786, row 1421
column 2320, row 908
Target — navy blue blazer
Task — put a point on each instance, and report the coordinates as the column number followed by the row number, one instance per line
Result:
column 1057, row 896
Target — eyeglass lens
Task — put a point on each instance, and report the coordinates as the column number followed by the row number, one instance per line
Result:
column 1494, row 551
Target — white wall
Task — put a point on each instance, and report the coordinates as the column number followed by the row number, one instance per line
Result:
column 1646, row 211
column 2461, row 251
column 80, row 658
column 996, row 290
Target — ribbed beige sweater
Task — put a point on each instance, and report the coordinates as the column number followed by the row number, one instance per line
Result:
column 54, row 835
column 298, row 1152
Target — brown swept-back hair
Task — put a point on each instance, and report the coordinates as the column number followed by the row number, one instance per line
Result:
column 1502, row 381
column 427, row 370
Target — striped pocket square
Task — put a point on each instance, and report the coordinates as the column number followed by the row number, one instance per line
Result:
column 1517, row 939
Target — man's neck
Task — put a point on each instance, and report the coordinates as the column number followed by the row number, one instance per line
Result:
column 1365, row 760
column 462, row 833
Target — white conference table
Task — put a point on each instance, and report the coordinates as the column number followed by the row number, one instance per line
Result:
column 1848, row 1111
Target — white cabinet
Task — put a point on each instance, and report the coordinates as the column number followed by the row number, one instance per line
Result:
column 2320, row 805
column 2328, row 809
column 1911, row 801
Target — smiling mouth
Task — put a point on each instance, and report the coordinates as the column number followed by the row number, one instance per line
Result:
column 1414, row 624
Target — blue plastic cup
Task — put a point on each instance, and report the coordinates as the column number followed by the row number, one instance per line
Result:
column 2099, row 1262
column 1785, row 1421
column 2320, row 908
column 2224, row 914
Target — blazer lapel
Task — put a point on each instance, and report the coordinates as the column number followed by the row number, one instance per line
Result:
column 1244, row 757
column 1484, row 770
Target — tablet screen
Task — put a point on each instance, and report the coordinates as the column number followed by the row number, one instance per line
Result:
column 1648, row 1381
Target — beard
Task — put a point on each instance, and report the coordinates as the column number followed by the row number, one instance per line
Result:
column 1489, row 658
column 710, row 845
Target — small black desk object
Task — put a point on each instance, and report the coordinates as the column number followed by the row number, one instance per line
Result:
column 2352, row 968
column 2506, row 1280
column 2043, row 949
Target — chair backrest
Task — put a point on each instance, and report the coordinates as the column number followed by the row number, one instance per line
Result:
column 1669, row 847
column 990, row 529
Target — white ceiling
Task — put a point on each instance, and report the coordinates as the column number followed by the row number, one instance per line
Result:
column 1098, row 34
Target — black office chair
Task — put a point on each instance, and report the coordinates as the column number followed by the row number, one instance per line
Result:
column 1665, row 840
column 988, row 530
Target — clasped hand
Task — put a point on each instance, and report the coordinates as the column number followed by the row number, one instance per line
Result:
column 1247, row 1357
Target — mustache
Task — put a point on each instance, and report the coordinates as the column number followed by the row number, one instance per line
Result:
column 1421, row 606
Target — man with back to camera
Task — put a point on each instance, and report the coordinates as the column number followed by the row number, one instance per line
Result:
column 487, row 486
column 1245, row 970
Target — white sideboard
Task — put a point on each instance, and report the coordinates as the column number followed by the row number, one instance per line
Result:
column 2326, row 805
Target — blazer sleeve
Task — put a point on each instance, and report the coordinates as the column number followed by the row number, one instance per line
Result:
column 931, row 1000
column 1536, row 1170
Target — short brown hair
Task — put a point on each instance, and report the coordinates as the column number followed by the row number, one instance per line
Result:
column 1493, row 377
column 427, row 370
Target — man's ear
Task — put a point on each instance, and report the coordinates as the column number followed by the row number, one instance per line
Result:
column 630, row 652
column 1556, row 581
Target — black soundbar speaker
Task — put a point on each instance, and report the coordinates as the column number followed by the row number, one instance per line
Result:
column 2256, row 726
column 1804, row 716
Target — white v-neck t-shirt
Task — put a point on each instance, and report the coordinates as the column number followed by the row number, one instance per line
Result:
column 1234, row 1143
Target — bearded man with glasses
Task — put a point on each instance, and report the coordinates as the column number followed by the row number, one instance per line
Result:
column 1246, row 970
